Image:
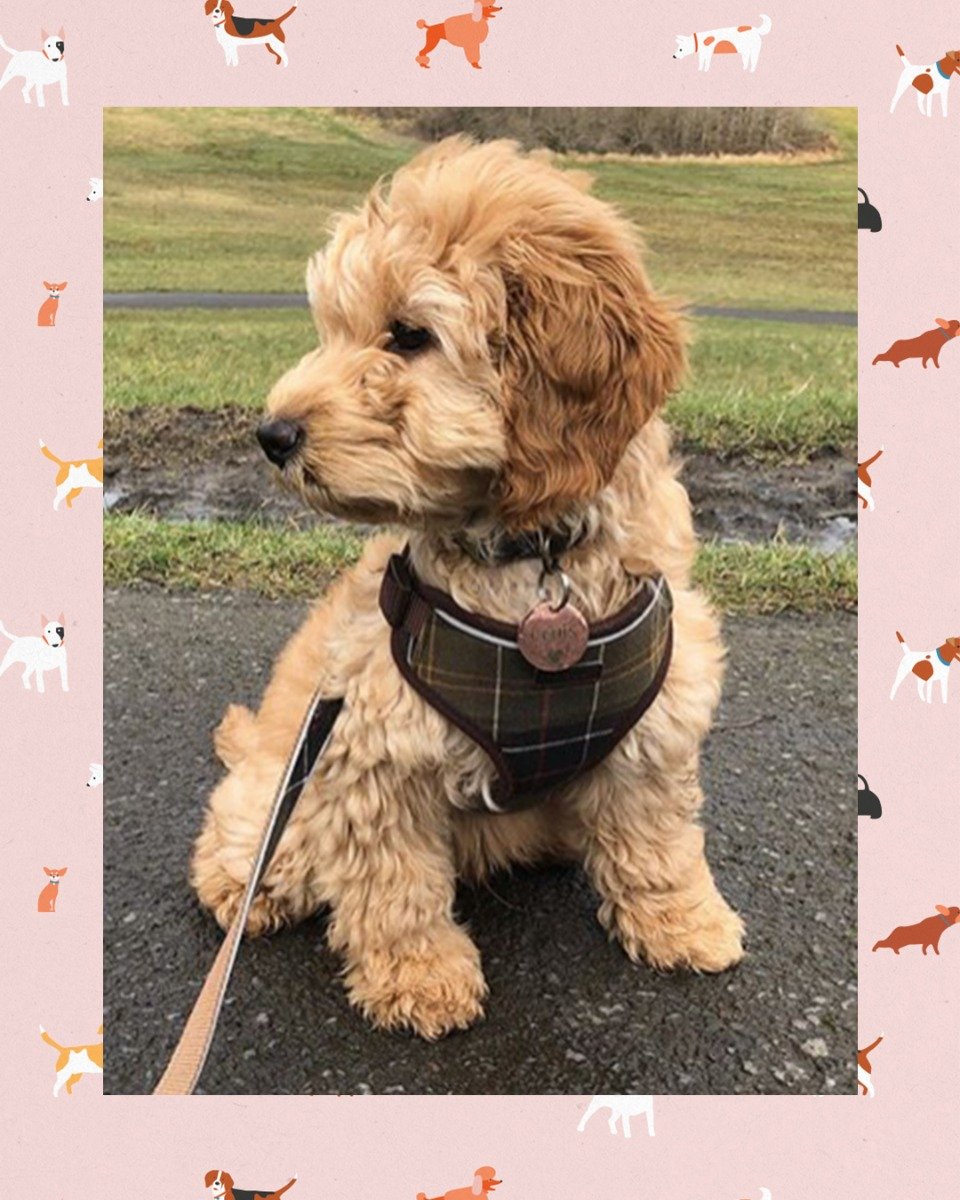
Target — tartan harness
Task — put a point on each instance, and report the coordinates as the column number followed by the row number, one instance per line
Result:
column 541, row 728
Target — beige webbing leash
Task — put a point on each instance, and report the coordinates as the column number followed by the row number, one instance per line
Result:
column 186, row 1063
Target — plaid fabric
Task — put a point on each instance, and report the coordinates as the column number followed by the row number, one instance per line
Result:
column 540, row 728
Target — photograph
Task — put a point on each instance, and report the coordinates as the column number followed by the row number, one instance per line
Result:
column 480, row 635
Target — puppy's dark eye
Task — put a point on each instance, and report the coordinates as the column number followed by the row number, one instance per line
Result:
column 408, row 339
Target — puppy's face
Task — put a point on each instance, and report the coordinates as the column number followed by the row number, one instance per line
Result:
column 489, row 346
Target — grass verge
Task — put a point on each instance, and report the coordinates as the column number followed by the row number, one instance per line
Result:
column 741, row 579
column 756, row 387
column 238, row 199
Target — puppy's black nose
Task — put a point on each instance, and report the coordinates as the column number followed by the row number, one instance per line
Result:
column 279, row 440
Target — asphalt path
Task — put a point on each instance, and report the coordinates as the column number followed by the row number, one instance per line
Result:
column 568, row 1013
column 299, row 300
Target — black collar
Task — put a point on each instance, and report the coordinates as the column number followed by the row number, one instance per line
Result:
column 499, row 547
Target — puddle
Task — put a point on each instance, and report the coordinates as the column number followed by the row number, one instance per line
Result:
column 189, row 464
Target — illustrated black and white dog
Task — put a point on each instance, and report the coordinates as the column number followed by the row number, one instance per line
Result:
column 38, row 68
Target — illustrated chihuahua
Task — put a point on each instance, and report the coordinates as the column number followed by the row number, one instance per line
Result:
column 48, row 309
column 47, row 900
column 38, row 654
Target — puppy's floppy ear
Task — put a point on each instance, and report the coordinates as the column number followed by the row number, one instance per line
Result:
column 589, row 354
column 477, row 1184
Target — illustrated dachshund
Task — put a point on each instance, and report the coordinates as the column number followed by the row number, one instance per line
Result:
column 925, row 933
column 925, row 346
column 467, row 30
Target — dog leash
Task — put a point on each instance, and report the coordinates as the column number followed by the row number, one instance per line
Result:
column 187, row 1061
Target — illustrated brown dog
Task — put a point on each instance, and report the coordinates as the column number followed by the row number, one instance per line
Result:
column 49, row 893
column 484, row 1181
column 924, row 933
column 466, row 30
column 925, row 346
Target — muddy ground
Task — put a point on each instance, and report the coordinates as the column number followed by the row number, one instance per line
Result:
column 191, row 463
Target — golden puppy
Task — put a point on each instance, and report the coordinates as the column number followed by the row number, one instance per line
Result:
column 492, row 359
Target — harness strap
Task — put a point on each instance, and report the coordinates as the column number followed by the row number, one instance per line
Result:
column 186, row 1063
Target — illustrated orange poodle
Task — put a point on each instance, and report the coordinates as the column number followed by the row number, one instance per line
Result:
column 467, row 30
column 220, row 1186
column 484, row 1181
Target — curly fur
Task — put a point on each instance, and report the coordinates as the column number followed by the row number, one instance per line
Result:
column 537, row 404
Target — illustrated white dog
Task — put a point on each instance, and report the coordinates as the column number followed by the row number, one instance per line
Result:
column 38, row 68
column 928, row 80
column 744, row 40
column 96, row 775
column 38, row 654
column 622, row 1108
column 929, row 667
column 96, row 188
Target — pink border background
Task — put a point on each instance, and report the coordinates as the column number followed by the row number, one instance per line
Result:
column 569, row 52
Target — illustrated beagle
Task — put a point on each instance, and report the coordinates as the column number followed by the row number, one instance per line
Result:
column 220, row 1186
column 233, row 31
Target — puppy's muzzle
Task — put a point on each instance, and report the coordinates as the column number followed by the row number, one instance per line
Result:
column 280, row 440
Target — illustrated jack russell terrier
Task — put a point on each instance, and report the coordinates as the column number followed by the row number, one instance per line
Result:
column 47, row 900
column 38, row 68
column 864, row 1070
column 744, row 40
column 466, row 30
column 38, row 654
column 47, row 314
column 74, row 475
column 929, row 666
column 220, row 1186
column 929, row 81
column 74, row 1061
column 484, row 1181
column 864, row 489
column 622, row 1108
column 234, row 31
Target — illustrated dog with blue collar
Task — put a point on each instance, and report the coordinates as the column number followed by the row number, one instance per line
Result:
column 928, row 81
column 527, row 672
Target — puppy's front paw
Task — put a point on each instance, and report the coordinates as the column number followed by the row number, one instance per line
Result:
column 221, row 891
column 235, row 735
column 707, row 936
column 433, row 989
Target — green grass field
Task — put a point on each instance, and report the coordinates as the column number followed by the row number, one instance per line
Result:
column 741, row 579
column 756, row 387
column 185, row 182
column 763, row 233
